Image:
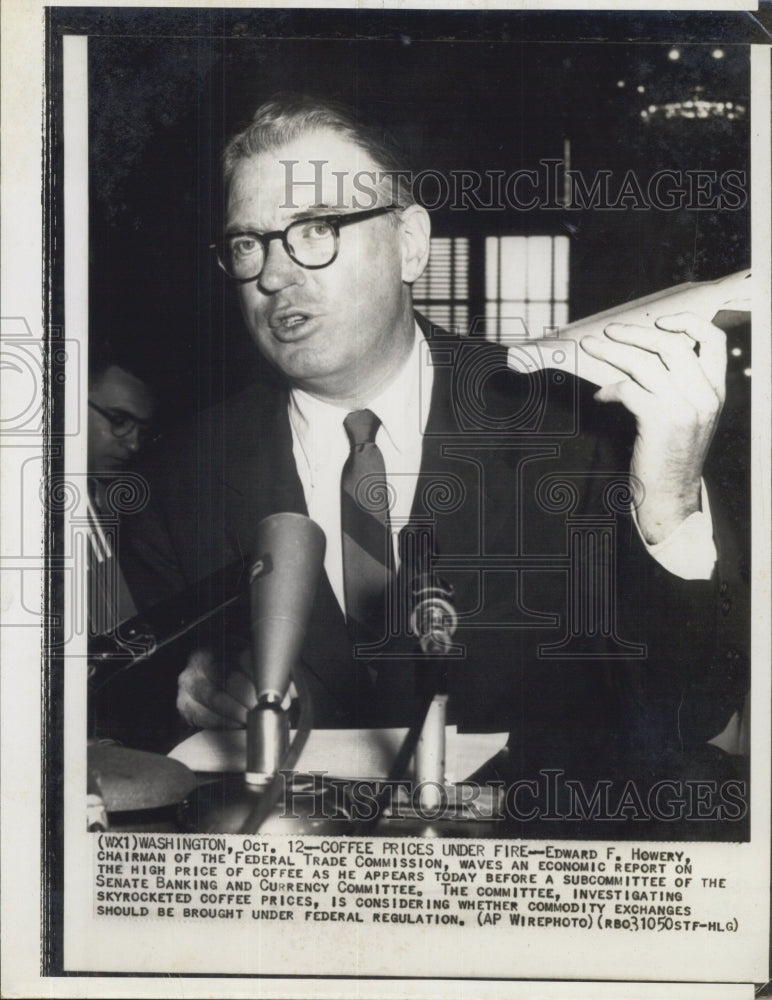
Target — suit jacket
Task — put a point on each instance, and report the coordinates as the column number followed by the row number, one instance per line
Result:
column 571, row 637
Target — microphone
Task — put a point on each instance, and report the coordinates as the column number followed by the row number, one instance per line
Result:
column 433, row 619
column 282, row 584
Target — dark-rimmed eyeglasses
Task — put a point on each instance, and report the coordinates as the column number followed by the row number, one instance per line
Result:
column 123, row 424
column 312, row 242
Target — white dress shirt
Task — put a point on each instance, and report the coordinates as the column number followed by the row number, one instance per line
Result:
column 321, row 447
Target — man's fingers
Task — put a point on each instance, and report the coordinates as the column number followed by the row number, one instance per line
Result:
column 201, row 663
column 241, row 687
column 629, row 394
column 674, row 348
column 196, row 714
column 662, row 359
column 226, row 706
column 673, row 352
column 712, row 341
column 643, row 366
column 196, row 702
column 686, row 411
column 201, row 696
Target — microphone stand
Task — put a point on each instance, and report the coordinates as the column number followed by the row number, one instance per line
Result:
column 434, row 622
column 269, row 751
column 434, row 798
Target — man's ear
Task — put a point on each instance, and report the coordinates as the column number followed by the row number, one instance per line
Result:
column 415, row 230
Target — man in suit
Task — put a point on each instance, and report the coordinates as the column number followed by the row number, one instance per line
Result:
column 120, row 414
column 121, row 418
column 572, row 525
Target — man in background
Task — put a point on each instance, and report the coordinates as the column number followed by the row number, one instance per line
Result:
column 121, row 412
column 121, row 407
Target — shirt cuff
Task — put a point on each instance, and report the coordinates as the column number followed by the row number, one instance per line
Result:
column 688, row 552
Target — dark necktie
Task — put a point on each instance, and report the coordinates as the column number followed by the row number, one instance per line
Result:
column 368, row 555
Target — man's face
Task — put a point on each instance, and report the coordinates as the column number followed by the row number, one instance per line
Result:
column 342, row 330
column 124, row 397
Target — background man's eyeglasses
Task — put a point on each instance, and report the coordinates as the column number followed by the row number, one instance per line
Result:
column 122, row 424
column 312, row 242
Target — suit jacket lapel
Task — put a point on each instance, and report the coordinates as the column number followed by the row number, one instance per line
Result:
column 460, row 476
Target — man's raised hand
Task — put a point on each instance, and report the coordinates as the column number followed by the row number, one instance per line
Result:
column 675, row 390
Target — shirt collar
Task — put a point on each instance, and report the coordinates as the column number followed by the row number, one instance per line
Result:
column 399, row 405
column 318, row 425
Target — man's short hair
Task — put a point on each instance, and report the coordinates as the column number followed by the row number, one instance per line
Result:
column 105, row 354
column 284, row 117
